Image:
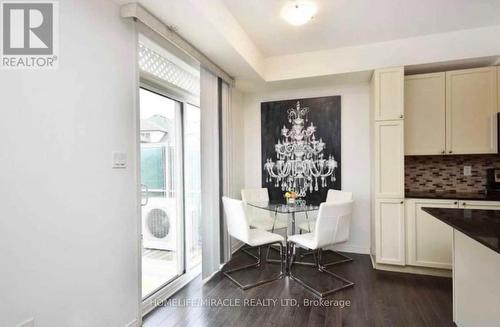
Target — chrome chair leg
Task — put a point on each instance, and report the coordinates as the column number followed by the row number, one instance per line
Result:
column 276, row 249
column 256, row 264
column 280, row 250
column 246, row 250
column 331, row 263
column 343, row 260
column 321, row 268
column 305, row 263
column 309, row 231
column 271, row 247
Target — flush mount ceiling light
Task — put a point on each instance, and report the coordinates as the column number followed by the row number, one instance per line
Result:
column 299, row 12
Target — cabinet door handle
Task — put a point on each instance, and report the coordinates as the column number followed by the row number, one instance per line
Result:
column 450, row 151
column 402, row 202
column 402, row 116
column 464, row 204
column 456, row 202
column 443, row 152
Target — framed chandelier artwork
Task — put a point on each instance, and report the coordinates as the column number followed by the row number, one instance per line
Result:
column 301, row 147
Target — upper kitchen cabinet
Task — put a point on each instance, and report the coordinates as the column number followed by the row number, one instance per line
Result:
column 453, row 112
column 389, row 93
column 425, row 114
column 471, row 111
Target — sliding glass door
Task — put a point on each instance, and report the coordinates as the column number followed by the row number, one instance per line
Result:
column 162, row 200
column 171, row 189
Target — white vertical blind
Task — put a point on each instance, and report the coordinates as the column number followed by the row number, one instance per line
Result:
column 210, row 188
column 227, row 159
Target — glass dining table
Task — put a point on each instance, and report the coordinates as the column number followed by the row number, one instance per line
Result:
column 289, row 209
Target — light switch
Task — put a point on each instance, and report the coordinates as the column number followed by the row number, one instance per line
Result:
column 467, row 171
column 119, row 160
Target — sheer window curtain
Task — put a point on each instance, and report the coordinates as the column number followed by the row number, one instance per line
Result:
column 216, row 169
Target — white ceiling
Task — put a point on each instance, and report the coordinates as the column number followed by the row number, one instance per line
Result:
column 341, row 23
column 249, row 40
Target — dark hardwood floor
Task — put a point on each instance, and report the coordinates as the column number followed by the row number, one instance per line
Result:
column 378, row 299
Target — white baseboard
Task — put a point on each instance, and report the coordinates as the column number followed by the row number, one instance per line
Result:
column 133, row 323
column 234, row 247
column 206, row 280
column 27, row 323
column 411, row 269
column 351, row 248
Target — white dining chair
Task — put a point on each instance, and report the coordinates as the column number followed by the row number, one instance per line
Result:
column 332, row 196
column 239, row 228
column 333, row 227
column 258, row 218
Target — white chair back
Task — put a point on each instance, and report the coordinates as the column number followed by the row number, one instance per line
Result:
column 338, row 196
column 254, row 195
column 333, row 223
column 237, row 223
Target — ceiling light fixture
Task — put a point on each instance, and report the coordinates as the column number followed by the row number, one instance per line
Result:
column 299, row 12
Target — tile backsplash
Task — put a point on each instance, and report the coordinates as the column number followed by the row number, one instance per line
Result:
column 446, row 173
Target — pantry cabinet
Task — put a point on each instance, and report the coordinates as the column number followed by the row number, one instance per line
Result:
column 428, row 240
column 471, row 111
column 390, row 231
column 452, row 112
column 389, row 159
column 387, row 126
column 388, row 93
column 425, row 112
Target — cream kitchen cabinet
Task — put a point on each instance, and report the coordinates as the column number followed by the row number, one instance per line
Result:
column 471, row 111
column 389, row 159
column 387, row 128
column 390, row 231
column 428, row 240
column 388, row 92
column 452, row 112
column 486, row 205
column 425, row 114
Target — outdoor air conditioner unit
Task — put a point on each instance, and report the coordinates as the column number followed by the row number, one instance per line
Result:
column 159, row 224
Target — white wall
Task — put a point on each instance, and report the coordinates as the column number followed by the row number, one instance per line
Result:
column 68, row 224
column 355, row 148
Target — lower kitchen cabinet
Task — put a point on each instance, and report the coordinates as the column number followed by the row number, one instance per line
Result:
column 405, row 235
column 486, row 205
column 390, row 231
column 428, row 240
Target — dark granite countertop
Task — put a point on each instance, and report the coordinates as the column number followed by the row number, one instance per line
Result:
column 480, row 225
column 451, row 196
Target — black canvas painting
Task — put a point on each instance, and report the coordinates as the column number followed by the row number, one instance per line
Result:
column 318, row 142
